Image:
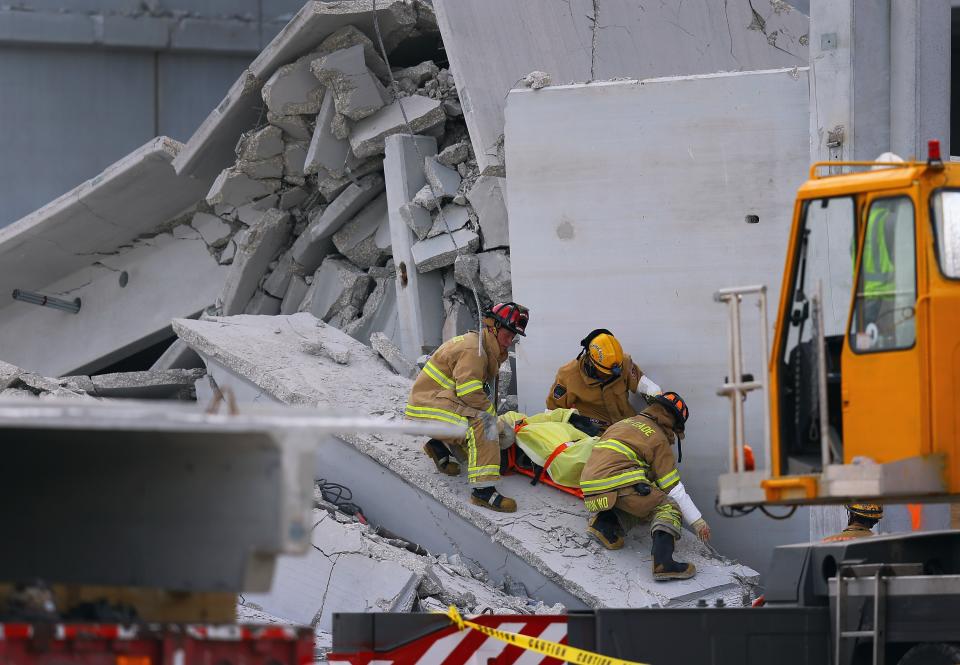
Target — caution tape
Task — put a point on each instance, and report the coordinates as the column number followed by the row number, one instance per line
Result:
column 547, row 648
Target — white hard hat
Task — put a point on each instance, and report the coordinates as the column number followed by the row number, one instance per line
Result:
column 886, row 157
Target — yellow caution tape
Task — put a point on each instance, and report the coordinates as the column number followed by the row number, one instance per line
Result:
column 547, row 648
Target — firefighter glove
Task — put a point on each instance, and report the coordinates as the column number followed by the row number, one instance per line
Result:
column 702, row 529
column 490, row 429
column 584, row 424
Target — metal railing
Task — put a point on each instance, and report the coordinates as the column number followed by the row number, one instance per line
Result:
column 737, row 386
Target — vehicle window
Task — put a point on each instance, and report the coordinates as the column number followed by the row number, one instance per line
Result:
column 824, row 256
column 883, row 313
column 946, row 220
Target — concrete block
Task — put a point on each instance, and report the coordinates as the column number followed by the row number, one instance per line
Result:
column 326, row 151
column 293, row 90
column 357, row 92
column 214, row 231
column 293, row 197
column 379, row 312
column 460, row 317
column 488, row 198
column 419, row 74
column 315, row 243
column 495, row 275
column 235, row 187
column 294, row 157
column 162, row 384
column 293, row 126
column 466, row 271
column 337, row 285
column 365, row 239
column 419, row 297
column 348, row 36
column 332, row 186
column 454, row 154
column 296, row 290
column 454, row 218
column 263, row 169
column 279, row 280
column 367, row 136
column 260, row 144
column 254, row 253
column 177, row 356
column 443, row 180
column 425, row 199
column 442, row 250
column 393, row 355
column 417, row 218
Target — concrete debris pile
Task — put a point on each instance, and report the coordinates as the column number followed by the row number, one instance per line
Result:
column 305, row 219
column 165, row 384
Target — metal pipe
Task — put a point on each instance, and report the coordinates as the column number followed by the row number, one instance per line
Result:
column 34, row 298
column 723, row 294
column 731, row 376
column 822, row 378
column 765, row 378
column 738, row 376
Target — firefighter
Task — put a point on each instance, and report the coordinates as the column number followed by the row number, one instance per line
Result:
column 861, row 518
column 598, row 383
column 631, row 474
column 458, row 386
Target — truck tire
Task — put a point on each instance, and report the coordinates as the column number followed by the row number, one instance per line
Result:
column 937, row 653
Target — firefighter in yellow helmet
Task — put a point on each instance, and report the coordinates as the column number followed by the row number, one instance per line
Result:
column 600, row 382
column 862, row 517
column 458, row 386
column 632, row 475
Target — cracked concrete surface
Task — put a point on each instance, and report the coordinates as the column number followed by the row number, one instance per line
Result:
column 547, row 533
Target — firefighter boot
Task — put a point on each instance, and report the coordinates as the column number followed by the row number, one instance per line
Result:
column 605, row 527
column 489, row 497
column 441, row 456
column 664, row 567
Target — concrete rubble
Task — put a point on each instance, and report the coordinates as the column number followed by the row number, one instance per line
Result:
column 176, row 384
column 543, row 545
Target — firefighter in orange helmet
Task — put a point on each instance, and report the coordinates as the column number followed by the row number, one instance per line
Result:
column 600, row 383
column 458, row 386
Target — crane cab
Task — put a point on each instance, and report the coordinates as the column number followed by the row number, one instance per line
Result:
column 863, row 379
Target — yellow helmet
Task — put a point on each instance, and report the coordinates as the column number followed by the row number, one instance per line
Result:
column 871, row 511
column 603, row 351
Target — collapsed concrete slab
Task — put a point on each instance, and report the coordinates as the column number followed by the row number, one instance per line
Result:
column 357, row 92
column 488, row 198
column 417, row 218
column 368, row 135
column 339, row 288
column 326, row 151
column 255, row 251
column 379, row 313
column 214, row 231
column 393, row 355
column 419, row 297
column 260, row 144
column 365, row 239
column 444, row 181
column 210, row 149
column 543, row 546
column 293, row 89
column 236, row 187
column 491, row 47
column 154, row 384
column 441, row 250
column 453, row 219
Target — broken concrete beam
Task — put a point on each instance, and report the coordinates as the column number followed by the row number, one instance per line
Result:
column 379, row 312
column 255, row 251
column 294, row 126
column 263, row 304
column 442, row 250
column 293, row 90
column 294, row 157
column 367, row 136
column 279, row 280
column 177, row 356
column 235, row 187
column 453, row 219
column 260, row 144
column 357, row 92
column 419, row 301
column 417, row 218
column 214, row 231
column 337, row 285
column 262, row 169
column 393, row 355
column 454, row 154
column 419, row 74
column 163, row 384
column 348, row 36
column 315, row 243
column 488, row 198
column 365, row 239
column 495, row 275
column 296, row 290
column 444, row 181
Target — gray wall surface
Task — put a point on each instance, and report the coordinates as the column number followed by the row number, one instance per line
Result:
column 87, row 81
column 627, row 204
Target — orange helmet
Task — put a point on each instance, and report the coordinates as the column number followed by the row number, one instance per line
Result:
column 603, row 351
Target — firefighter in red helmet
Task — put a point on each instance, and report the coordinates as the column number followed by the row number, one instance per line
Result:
column 458, row 386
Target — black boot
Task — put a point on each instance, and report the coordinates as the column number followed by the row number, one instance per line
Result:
column 489, row 497
column 440, row 454
column 605, row 527
column 664, row 567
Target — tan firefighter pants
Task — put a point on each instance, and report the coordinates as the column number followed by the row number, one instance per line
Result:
column 632, row 508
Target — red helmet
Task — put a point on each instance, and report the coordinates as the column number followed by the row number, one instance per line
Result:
column 511, row 316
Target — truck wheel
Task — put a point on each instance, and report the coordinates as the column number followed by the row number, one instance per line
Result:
column 937, row 653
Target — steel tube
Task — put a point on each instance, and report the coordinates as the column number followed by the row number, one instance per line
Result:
column 34, row 298
column 765, row 378
column 737, row 376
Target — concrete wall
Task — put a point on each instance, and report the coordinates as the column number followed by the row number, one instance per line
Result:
column 87, row 81
column 627, row 204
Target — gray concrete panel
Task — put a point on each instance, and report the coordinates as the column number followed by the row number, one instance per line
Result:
column 65, row 115
column 653, row 180
column 188, row 86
